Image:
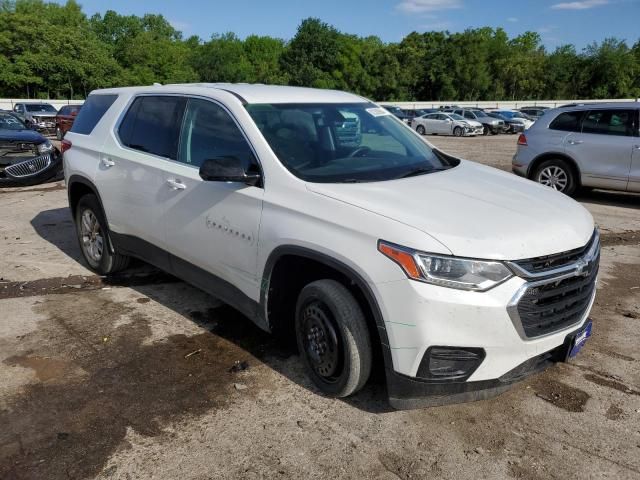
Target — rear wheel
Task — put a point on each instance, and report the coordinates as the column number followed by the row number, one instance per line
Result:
column 420, row 129
column 457, row 131
column 93, row 235
column 333, row 338
column 557, row 174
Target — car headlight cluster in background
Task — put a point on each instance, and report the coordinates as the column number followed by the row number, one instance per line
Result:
column 45, row 147
column 447, row 271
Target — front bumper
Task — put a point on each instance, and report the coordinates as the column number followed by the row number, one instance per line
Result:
column 407, row 392
column 420, row 316
column 31, row 171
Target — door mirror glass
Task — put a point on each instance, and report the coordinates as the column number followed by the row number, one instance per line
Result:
column 227, row 169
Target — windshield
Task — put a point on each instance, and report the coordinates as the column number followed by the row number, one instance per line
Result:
column 337, row 143
column 455, row 116
column 497, row 115
column 40, row 107
column 9, row 122
column 506, row 114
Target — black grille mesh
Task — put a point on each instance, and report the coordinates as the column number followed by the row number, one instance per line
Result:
column 556, row 305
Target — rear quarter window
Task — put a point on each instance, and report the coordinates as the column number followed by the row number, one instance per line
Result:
column 92, row 112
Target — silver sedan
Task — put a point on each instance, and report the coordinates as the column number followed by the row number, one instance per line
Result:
column 446, row 124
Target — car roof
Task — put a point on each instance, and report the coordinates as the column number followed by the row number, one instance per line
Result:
column 250, row 93
column 597, row 105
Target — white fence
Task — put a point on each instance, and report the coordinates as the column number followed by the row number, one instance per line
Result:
column 8, row 103
column 501, row 104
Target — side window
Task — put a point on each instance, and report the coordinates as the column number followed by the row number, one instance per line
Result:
column 93, row 110
column 567, row 122
column 208, row 131
column 152, row 125
column 63, row 111
column 470, row 115
column 609, row 122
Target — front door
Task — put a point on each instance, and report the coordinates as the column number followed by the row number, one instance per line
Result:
column 212, row 226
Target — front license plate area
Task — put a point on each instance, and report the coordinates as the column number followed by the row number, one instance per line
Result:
column 579, row 339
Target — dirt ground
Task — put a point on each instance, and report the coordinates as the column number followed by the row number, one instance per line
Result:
column 134, row 377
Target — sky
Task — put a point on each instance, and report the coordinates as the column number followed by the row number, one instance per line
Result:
column 557, row 21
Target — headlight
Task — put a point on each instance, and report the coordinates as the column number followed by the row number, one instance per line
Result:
column 45, row 147
column 447, row 271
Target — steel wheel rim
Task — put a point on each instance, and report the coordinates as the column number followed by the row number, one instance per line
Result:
column 554, row 177
column 321, row 342
column 91, row 236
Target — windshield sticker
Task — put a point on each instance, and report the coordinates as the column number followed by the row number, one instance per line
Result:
column 377, row 112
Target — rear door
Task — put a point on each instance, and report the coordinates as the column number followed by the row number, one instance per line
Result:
column 213, row 226
column 634, row 174
column 131, row 170
column 603, row 148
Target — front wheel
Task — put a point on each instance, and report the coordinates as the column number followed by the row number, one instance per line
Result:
column 485, row 130
column 457, row 131
column 556, row 174
column 333, row 338
column 420, row 129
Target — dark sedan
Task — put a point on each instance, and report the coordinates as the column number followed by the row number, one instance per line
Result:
column 26, row 156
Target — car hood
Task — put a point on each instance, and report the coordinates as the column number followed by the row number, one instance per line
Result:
column 475, row 211
column 25, row 135
column 471, row 123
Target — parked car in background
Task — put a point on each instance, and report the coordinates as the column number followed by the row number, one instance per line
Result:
column 41, row 116
column 397, row 112
column 64, row 119
column 26, row 156
column 490, row 125
column 517, row 117
column 511, row 126
column 441, row 123
column 595, row 145
column 535, row 112
column 439, row 264
column 418, row 112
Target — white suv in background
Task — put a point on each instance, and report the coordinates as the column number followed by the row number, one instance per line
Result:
column 361, row 244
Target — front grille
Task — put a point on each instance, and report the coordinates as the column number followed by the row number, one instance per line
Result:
column 28, row 168
column 559, row 291
column 556, row 305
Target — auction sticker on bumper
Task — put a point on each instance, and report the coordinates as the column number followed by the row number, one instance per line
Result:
column 580, row 339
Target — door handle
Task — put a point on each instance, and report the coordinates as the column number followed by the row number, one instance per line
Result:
column 575, row 142
column 107, row 162
column 176, row 184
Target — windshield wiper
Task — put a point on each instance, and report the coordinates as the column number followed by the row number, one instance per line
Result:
column 421, row 171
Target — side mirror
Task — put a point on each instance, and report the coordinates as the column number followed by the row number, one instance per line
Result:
column 227, row 169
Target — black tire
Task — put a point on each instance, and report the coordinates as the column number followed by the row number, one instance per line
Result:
column 333, row 338
column 457, row 131
column 58, row 133
column 420, row 129
column 485, row 130
column 109, row 261
column 556, row 173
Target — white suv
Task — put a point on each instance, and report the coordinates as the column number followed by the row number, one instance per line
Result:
column 455, row 273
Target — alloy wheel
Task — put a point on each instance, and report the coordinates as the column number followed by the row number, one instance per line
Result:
column 554, row 177
column 91, row 236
